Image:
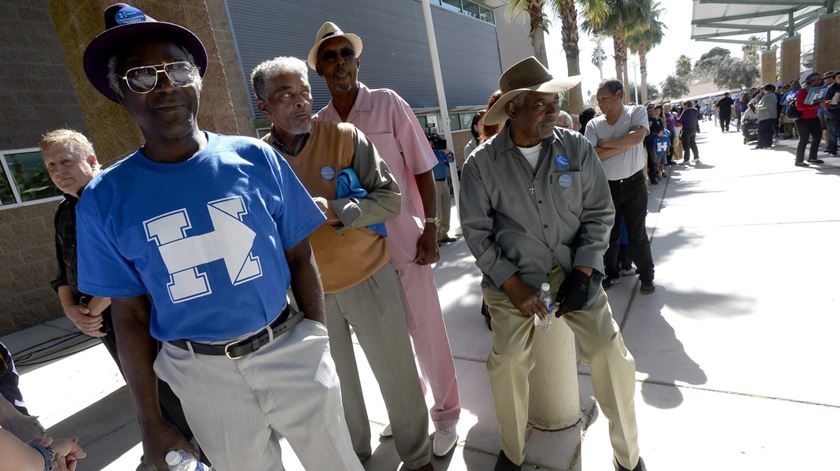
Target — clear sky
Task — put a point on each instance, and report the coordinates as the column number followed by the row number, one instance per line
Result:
column 661, row 60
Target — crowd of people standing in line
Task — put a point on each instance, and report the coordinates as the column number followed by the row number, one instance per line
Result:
column 230, row 267
column 807, row 110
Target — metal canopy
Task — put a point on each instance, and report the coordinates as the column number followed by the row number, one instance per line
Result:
column 736, row 21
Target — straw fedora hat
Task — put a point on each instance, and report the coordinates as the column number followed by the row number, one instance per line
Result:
column 527, row 75
column 330, row 30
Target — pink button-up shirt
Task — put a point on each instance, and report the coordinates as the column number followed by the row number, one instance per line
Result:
column 385, row 118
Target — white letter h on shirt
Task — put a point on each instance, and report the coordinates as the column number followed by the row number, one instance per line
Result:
column 230, row 241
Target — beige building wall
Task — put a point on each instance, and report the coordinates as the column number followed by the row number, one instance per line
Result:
column 514, row 42
column 791, row 55
column 827, row 43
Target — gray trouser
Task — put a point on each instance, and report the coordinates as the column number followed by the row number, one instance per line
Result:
column 374, row 309
column 239, row 409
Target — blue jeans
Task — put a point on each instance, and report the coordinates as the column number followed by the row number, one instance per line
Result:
column 833, row 135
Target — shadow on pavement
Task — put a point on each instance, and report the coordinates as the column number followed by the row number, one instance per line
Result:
column 106, row 429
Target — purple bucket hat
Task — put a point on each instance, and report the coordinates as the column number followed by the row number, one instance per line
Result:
column 123, row 22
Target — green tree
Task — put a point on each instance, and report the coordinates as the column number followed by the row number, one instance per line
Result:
column 683, row 66
column 734, row 73
column 707, row 66
column 750, row 51
column 615, row 18
column 641, row 40
column 567, row 12
column 652, row 92
column 674, row 87
column 599, row 56
column 538, row 22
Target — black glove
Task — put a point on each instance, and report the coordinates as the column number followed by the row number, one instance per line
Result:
column 572, row 293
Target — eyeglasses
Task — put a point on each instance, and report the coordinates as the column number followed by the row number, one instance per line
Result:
column 144, row 79
column 331, row 56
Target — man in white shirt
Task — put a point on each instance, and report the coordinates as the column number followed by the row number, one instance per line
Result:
column 617, row 135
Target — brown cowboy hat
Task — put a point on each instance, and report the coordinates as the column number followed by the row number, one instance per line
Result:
column 527, row 75
column 330, row 30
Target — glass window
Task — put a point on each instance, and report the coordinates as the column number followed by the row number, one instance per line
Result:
column 471, row 9
column 423, row 122
column 25, row 177
column 466, row 120
column 487, row 15
column 454, row 5
column 6, row 195
column 454, row 122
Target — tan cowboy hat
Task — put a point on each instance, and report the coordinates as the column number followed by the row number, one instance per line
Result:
column 527, row 75
column 331, row 30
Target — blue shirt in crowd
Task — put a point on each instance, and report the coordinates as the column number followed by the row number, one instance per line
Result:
column 441, row 170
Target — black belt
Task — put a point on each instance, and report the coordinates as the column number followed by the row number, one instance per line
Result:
column 635, row 176
column 238, row 349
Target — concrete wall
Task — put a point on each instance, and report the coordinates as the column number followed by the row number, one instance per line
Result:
column 514, row 42
column 37, row 95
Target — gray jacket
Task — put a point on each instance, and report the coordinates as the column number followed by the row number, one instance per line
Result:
column 517, row 220
column 766, row 105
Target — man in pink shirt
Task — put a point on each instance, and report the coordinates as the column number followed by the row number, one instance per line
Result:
column 412, row 236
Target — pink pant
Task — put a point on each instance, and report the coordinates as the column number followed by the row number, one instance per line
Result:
column 431, row 344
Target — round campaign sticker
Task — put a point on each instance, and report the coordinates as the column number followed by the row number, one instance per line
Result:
column 561, row 161
column 328, row 173
column 565, row 180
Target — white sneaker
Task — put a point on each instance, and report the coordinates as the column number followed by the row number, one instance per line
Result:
column 386, row 432
column 444, row 441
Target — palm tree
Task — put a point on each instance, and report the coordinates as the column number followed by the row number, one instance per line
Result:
column 538, row 22
column 683, row 67
column 646, row 37
column 599, row 56
column 567, row 12
column 615, row 18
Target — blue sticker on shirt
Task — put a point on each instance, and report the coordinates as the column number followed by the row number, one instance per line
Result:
column 328, row 173
column 561, row 161
column 129, row 15
column 565, row 180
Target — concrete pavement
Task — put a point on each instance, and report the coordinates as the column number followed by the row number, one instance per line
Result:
column 736, row 350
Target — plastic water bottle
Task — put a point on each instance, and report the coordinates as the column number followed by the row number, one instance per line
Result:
column 180, row 460
column 543, row 325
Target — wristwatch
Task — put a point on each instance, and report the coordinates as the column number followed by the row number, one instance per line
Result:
column 48, row 454
column 434, row 221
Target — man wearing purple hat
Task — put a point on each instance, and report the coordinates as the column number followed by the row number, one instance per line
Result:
column 196, row 238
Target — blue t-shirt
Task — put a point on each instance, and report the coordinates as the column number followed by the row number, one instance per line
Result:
column 661, row 144
column 441, row 170
column 205, row 238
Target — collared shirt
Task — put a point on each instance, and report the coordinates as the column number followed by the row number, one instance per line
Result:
column 387, row 120
column 630, row 160
column 520, row 220
column 65, row 245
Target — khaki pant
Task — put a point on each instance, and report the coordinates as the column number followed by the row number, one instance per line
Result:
column 601, row 345
column 443, row 208
column 239, row 409
column 374, row 309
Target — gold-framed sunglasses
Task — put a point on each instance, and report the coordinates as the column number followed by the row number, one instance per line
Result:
column 143, row 79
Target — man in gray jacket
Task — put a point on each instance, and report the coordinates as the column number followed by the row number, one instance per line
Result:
column 536, row 208
column 766, row 103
